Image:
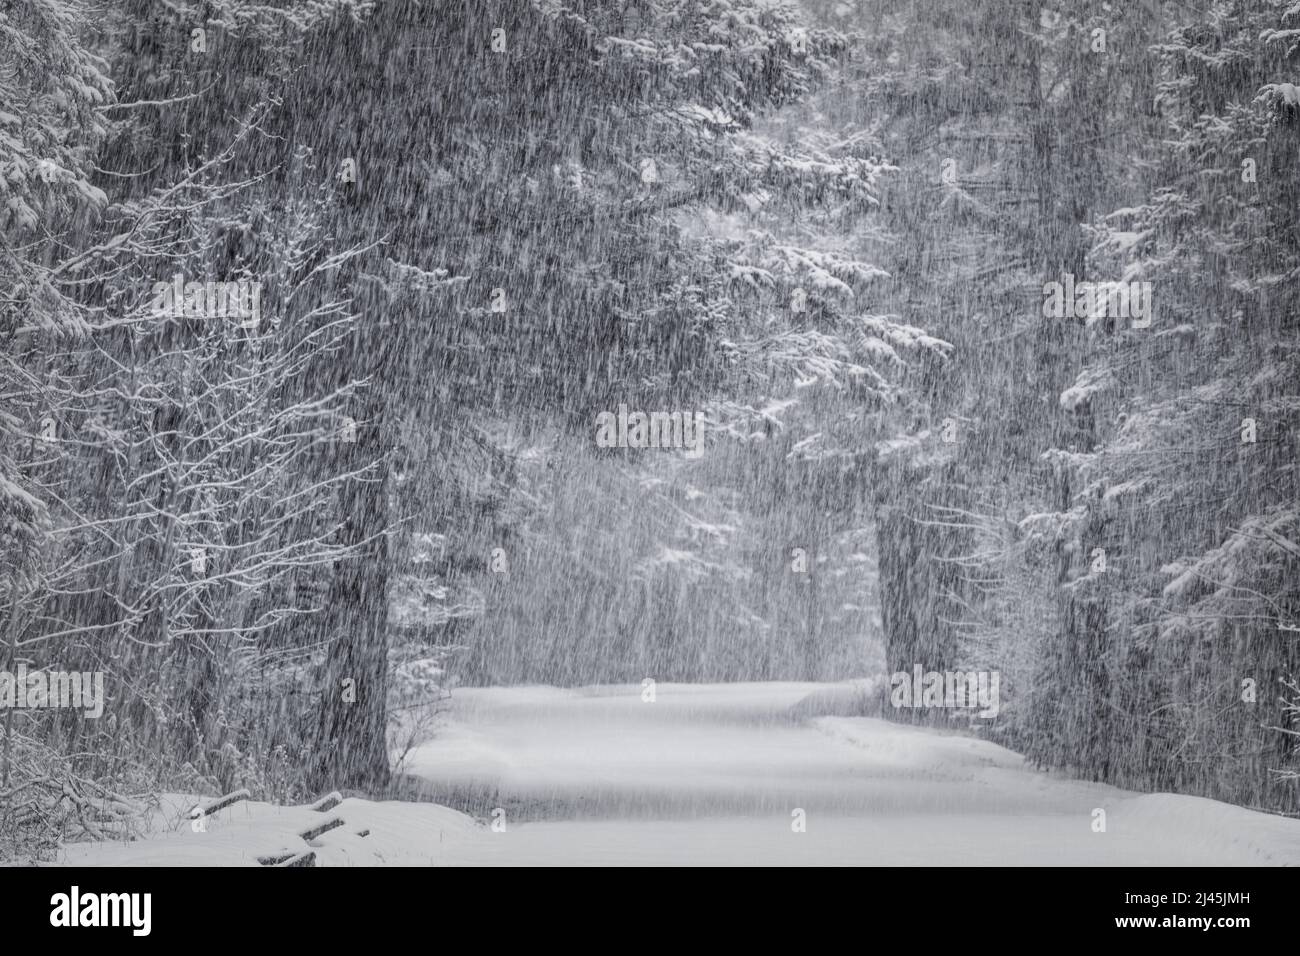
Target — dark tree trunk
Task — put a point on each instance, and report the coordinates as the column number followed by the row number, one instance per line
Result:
column 350, row 749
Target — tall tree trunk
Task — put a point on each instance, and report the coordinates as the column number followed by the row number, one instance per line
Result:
column 350, row 747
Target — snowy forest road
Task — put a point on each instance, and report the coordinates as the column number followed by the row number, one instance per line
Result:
column 709, row 774
column 715, row 774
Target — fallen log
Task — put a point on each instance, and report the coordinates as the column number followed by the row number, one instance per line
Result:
column 219, row 804
column 328, row 802
column 313, row 832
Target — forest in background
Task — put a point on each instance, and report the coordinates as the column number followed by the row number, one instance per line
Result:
column 474, row 227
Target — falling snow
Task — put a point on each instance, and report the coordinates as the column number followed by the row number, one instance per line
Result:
column 665, row 431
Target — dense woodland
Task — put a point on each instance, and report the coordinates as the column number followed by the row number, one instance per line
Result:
column 826, row 226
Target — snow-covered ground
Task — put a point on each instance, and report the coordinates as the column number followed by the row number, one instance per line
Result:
column 716, row 774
